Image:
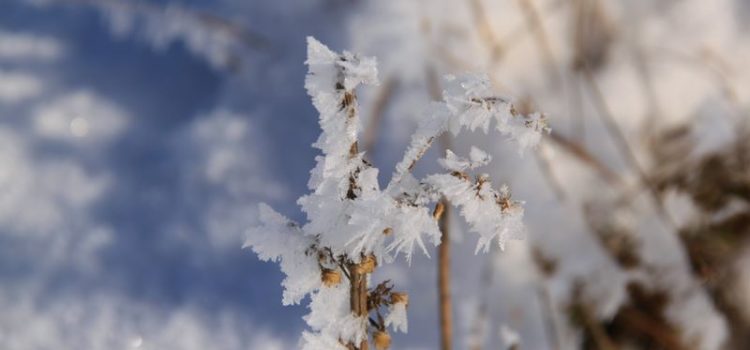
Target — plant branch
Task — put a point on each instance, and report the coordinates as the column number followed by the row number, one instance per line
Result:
column 444, row 277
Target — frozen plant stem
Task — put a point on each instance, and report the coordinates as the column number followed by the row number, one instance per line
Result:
column 442, row 215
column 353, row 226
column 444, row 277
column 358, row 293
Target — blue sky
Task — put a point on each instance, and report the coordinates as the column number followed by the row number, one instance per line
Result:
column 164, row 247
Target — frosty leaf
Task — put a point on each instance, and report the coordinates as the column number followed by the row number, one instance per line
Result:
column 408, row 224
column 472, row 103
column 429, row 129
column 478, row 157
column 396, row 318
column 330, row 82
column 453, row 162
column 357, row 70
column 330, row 315
column 279, row 239
column 526, row 130
column 490, row 213
column 469, row 103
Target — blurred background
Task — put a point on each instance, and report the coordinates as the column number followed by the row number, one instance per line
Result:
column 137, row 138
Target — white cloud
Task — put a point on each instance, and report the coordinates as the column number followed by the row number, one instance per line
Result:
column 79, row 117
column 22, row 46
column 42, row 197
column 114, row 323
column 16, row 87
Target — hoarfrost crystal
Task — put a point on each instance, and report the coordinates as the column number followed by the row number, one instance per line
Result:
column 352, row 225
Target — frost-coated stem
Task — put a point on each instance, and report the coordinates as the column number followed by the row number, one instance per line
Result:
column 441, row 214
column 357, row 272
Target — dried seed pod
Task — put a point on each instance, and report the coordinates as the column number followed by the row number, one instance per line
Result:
column 439, row 210
column 400, row 298
column 368, row 264
column 382, row 340
column 330, row 277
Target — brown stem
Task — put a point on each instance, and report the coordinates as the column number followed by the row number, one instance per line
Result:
column 444, row 284
column 444, row 277
column 441, row 214
column 445, row 306
column 358, row 297
column 357, row 271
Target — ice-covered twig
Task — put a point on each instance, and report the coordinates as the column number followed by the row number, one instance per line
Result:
column 470, row 104
column 353, row 226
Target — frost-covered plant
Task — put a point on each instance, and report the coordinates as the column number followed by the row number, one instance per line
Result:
column 353, row 225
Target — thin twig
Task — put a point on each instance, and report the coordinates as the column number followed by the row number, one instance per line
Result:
column 445, row 305
column 445, row 308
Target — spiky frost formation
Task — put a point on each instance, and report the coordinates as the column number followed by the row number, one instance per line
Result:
column 352, row 224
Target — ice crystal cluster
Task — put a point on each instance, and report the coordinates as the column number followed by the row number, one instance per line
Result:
column 353, row 225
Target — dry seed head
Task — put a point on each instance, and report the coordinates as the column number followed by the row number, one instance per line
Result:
column 439, row 210
column 368, row 264
column 382, row 340
column 398, row 297
column 330, row 277
column 460, row 175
